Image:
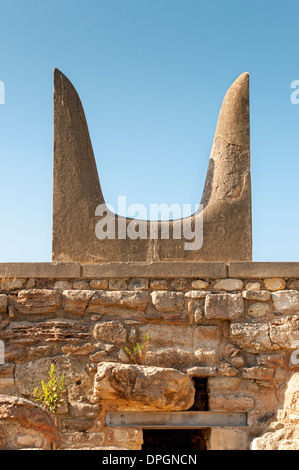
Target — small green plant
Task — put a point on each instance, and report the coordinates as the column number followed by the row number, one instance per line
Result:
column 50, row 394
column 139, row 351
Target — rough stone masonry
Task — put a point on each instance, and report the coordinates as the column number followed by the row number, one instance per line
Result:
column 240, row 333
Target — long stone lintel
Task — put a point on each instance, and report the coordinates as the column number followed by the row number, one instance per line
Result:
column 175, row 269
column 40, row 270
column 263, row 270
column 175, row 420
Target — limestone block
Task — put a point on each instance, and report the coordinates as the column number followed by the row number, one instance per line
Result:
column 118, row 300
column 98, row 284
column 286, row 301
column 252, row 337
column 168, row 336
column 75, row 301
column 138, row 283
column 253, row 286
column 228, row 439
column 207, row 357
column 261, row 295
column 118, row 284
column 230, row 402
column 37, row 301
column 201, row 371
column 199, row 284
column 159, row 284
column 169, row 357
column 131, row 438
column 291, row 402
column 50, row 331
column 144, row 387
column 224, row 306
column 259, row 310
column 60, row 285
column 258, row 373
column 179, row 284
column 3, row 303
column 270, row 360
column 81, row 285
column 197, row 294
column 223, row 383
column 284, row 331
column 165, row 301
column 110, row 331
column 228, row 284
column 8, row 284
column 82, row 350
column 274, row 283
column 24, row 424
column 77, row 382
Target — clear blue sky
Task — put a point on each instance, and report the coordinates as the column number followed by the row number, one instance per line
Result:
column 152, row 75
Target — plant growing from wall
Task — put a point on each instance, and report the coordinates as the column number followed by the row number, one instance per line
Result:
column 50, row 394
column 138, row 353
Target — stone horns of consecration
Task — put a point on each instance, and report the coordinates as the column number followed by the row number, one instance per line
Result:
column 226, row 199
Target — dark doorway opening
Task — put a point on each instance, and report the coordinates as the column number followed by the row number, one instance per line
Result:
column 175, row 440
column 201, row 398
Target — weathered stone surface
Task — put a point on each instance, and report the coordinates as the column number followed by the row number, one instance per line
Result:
column 77, row 382
column 286, row 301
column 144, row 387
column 98, row 284
column 75, row 301
column 258, row 310
column 179, row 284
column 131, row 438
column 198, row 284
column 3, row 303
column 159, row 284
column 258, row 373
column 230, row 403
column 224, row 383
column 201, row 371
column 60, row 285
column 197, row 294
column 253, row 286
column 261, row 295
column 50, row 331
column 83, row 350
column 81, row 285
column 118, row 300
column 270, row 360
column 252, row 337
column 118, row 284
column 165, row 301
column 275, row 283
column 8, row 284
column 207, row 357
column 138, row 283
column 224, row 306
column 37, row 301
column 228, row 284
column 228, row 439
column 284, row 331
column 23, row 424
column 169, row 357
column 110, row 331
column 285, row 433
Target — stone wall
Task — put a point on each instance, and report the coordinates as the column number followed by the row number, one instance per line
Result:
column 234, row 325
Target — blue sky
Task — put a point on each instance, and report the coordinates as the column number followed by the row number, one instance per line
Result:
column 151, row 75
